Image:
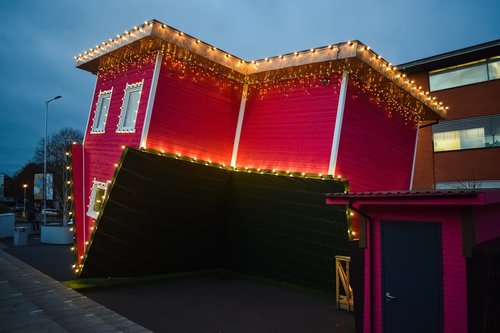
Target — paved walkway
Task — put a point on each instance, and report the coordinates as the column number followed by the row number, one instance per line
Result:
column 31, row 301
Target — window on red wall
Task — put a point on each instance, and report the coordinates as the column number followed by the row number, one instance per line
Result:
column 130, row 107
column 101, row 112
column 97, row 199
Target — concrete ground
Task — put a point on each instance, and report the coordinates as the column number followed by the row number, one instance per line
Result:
column 198, row 304
column 31, row 301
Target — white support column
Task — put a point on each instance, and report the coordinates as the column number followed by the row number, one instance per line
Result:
column 84, row 199
column 338, row 124
column 414, row 159
column 90, row 111
column 151, row 100
column 239, row 125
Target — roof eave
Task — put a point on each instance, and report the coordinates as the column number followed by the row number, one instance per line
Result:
column 456, row 57
column 430, row 198
column 353, row 54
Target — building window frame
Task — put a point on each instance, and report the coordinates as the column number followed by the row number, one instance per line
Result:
column 486, row 64
column 128, row 113
column 468, row 133
column 101, row 111
column 97, row 196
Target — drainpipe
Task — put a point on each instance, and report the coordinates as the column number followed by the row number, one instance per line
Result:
column 369, row 223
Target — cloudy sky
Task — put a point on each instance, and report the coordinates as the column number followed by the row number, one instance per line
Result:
column 39, row 38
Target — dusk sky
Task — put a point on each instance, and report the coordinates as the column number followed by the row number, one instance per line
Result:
column 39, row 39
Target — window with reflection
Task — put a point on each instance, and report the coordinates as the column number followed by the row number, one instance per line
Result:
column 130, row 107
column 480, row 132
column 464, row 74
column 97, row 199
column 101, row 112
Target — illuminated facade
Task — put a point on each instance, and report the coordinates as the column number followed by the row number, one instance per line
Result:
column 333, row 112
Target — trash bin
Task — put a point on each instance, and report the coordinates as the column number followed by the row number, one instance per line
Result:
column 20, row 236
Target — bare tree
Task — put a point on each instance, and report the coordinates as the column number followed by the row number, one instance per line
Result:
column 57, row 161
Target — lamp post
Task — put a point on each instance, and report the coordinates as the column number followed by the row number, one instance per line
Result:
column 24, row 202
column 45, row 161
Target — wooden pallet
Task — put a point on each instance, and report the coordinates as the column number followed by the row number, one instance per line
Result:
column 344, row 294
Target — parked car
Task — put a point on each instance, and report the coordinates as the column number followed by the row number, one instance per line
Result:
column 52, row 212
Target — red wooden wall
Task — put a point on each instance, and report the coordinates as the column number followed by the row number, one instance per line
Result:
column 287, row 125
column 102, row 150
column 195, row 112
column 290, row 126
column 376, row 144
column 78, row 197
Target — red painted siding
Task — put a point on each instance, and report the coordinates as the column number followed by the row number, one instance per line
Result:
column 195, row 112
column 290, row 126
column 79, row 200
column 101, row 151
column 376, row 143
column 453, row 263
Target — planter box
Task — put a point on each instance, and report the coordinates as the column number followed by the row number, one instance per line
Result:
column 56, row 235
column 7, row 224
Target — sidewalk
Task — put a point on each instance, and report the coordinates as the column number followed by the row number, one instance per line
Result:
column 31, row 301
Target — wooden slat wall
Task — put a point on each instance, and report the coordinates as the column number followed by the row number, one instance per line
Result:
column 103, row 150
column 79, row 199
column 290, row 127
column 195, row 113
column 376, row 149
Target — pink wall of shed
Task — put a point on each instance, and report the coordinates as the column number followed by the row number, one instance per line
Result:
column 453, row 269
column 487, row 223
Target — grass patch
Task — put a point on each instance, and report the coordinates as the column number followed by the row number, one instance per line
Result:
column 94, row 283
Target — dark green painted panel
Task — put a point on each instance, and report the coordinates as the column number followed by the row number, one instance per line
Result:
column 282, row 228
column 168, row 215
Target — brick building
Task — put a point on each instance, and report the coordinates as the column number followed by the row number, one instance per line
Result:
column 464, row 150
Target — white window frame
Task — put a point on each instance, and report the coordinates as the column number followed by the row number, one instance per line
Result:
column 95, row 187
column 129, row 89
column 99, row 112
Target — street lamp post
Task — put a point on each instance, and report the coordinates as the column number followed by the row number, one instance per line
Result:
column 24, row 202
column 45, row 161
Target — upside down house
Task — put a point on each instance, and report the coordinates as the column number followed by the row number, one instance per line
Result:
column 196, row 159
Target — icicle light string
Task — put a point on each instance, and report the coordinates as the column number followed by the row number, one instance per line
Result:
column 138, row 41
column 284, row 81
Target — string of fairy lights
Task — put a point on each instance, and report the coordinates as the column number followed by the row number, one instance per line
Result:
column 196, row 52
column 71, row 208
column 92, row 228
column 282, row 81
column 188, row 58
